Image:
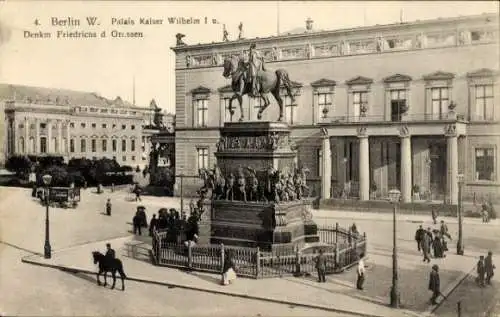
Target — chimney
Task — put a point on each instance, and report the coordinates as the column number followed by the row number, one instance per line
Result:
column 309, row 25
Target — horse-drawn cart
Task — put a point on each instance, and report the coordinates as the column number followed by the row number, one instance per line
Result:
column 62, row 196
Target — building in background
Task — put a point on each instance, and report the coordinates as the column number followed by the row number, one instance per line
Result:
column 73, row 124
column 408, row 105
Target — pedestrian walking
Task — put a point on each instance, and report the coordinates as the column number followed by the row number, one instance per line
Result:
column 321, row 266
column 426, row 245
column 485, row 213
column 437, row 247
column 480, row 271
column 108, row 207
column 153, row 225
column 489, row 267
column 361, row 272
column 434, row 214
column 434, row 284
column 228, row 270
column 444, row 230
column 137, row 222
column 419, row 235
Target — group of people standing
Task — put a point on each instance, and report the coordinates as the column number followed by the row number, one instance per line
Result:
column 435, row 241
column 485, row 269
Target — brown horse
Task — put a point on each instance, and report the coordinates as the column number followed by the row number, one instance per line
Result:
column 270, row 82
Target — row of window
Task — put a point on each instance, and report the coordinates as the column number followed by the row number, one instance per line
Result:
column 440, row 99
column 104, row 145
column 124, row 158
column 54, row 145
column 82, row 125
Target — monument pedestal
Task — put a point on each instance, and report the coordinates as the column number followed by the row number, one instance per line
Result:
column 275, row 215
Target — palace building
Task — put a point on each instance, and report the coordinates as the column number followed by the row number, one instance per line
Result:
column 45, row 121
column 409, row 106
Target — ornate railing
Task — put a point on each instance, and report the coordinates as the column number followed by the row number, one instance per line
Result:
column 342, row 249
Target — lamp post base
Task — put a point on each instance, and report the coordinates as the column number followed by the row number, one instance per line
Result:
column 47, row 250
column 394, row 298
column 460, row 248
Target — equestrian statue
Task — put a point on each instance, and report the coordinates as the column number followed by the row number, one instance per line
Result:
column 250, row 77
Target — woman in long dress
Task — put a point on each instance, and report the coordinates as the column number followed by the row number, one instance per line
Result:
column 228, row 273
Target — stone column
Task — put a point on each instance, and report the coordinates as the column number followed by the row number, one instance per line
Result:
column 59, row 137
column 326, row 176
column 49, row 136
column 406, row 165
column 364, row 165
column 26, row 135
column 37, row 136
column 67, row 137
column 14, row 136
column 452, row 163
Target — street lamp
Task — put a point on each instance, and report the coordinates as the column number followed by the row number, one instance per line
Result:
column 460, row 242
column 47, row 179
column 394, row 195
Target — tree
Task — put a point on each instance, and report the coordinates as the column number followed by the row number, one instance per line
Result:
column 19, row 164
column 60, row 176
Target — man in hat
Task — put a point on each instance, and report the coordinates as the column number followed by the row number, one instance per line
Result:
column 419, row 235
column 321, row 266
column 110, row 253
column 480, row 271
column 489, row 267
column 361, row 272
column 434, row 284
column 426, row 244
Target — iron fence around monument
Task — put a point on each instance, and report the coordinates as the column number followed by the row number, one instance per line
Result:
column 341, row 250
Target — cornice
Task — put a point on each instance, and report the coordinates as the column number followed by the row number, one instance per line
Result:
column 323, row 82
column 359, row 80
column 397, row 78
column 488, row 18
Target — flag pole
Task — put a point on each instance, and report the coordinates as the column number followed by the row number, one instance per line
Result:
column 277, row 18
column 133, row 90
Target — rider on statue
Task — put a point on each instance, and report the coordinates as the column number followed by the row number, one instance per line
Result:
column 255, row 64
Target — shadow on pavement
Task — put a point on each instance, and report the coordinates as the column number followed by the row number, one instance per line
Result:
column 211, row 279
column 20, row 248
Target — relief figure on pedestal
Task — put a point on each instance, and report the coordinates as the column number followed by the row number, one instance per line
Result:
column 241, row 186
column 252, row 78
column 230, row 187
column 253, row 185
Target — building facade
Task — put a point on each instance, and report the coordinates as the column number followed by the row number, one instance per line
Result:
column 44, row 121
column 409, row 106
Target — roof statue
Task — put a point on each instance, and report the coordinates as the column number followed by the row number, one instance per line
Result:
column 240, row 34
column 153, row 104
column 179, row 37
column 225, row 34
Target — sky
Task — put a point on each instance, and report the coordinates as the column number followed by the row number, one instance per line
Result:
column 108, row 65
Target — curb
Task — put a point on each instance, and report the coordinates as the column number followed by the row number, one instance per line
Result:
column 431, row 309
column 206, row 290
column 452, row 220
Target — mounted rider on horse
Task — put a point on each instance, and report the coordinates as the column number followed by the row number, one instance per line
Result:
column 250, row 76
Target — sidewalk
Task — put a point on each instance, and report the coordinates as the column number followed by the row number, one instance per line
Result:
column 303, row 292
column 341, row 214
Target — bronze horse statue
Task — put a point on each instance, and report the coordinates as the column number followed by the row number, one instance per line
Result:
column 270, row 82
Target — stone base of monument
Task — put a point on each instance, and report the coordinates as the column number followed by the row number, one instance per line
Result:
column 269, row 226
